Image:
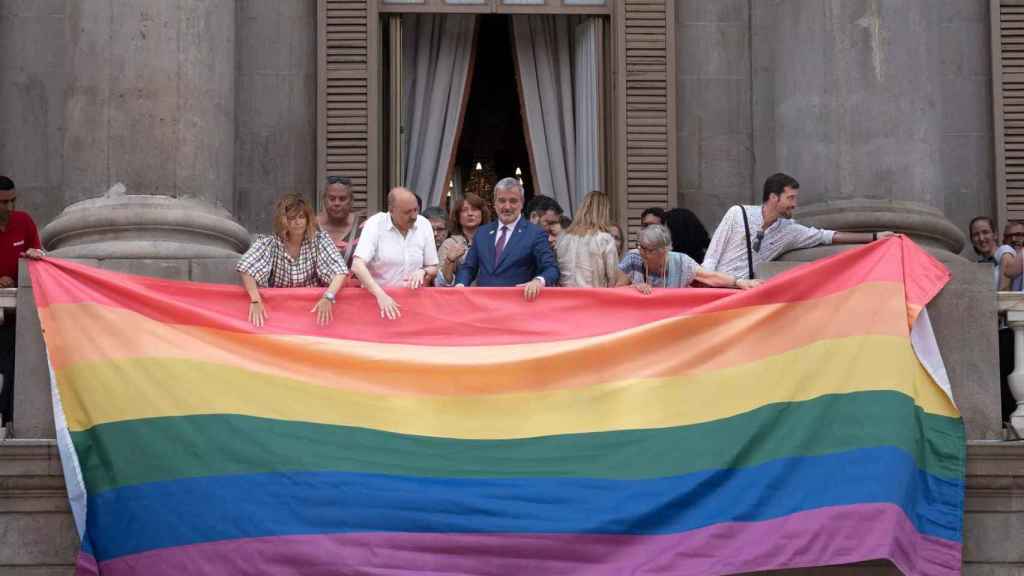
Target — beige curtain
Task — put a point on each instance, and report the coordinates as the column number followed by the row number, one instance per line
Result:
column 437, row 52
column 558, row 59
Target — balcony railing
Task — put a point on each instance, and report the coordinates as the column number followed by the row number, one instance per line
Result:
column 8, row 301
column 1011, row 309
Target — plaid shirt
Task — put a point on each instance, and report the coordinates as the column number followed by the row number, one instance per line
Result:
column 269, row 264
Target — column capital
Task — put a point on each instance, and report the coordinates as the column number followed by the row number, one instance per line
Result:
column 144, row 226
column 926, row 225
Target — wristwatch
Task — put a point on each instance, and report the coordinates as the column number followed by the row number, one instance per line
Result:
column 329, row 296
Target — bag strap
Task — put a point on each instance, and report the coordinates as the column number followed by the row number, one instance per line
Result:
column 750, row 255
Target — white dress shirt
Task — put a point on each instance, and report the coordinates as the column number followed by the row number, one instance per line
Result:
column 728, row 249
column 508, row 235
column 391, row 257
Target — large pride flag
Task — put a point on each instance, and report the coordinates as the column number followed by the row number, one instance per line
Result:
column 592, row 432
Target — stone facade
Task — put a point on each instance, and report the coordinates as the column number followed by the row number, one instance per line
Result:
column 859, row 100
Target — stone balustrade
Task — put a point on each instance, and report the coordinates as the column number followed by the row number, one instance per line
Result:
column 1011, row 308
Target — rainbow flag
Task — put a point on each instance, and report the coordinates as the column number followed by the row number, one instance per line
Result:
column 592, row 432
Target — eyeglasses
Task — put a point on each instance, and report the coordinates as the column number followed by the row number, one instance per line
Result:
column 757, row 240
column 343, row 180
column 648, row 249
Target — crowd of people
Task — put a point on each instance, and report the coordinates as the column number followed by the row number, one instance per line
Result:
column 1007, row 260
column 532, row 246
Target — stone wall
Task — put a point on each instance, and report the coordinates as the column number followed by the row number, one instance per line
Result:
column 275, row 106
column 90, row 97
column 32, row 102
column 857, row 99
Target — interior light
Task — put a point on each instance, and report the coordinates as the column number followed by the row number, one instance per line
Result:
column 479, row 166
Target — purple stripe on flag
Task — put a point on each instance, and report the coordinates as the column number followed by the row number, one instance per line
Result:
column 85, row 565
column 833, row 535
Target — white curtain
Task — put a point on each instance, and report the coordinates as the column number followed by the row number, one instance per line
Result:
column 558, row 59
column 437, row 52
column 585, row 66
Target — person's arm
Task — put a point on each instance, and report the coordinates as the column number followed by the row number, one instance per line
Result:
column 469, row 268
column 257, row 312
column 448, row 255
column 546, row 262
column 722, row 280
column 324, row 307
column 388, row 307
column 546, row 265
column 1009, row 268
column 720, row 239
column 34, row 247
column 610, row 261
column 859, row 237
column 429, row 270
column 254, row 267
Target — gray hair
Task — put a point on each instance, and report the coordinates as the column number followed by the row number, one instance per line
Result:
column 655, row 236
column 509, row 184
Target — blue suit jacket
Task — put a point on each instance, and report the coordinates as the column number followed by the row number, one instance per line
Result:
column 526, row 256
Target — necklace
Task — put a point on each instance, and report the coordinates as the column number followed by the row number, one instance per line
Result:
column 664, row 273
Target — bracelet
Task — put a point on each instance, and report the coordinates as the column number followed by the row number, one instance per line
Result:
column 254, row 302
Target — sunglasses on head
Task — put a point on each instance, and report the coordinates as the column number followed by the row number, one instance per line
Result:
column 343, row 180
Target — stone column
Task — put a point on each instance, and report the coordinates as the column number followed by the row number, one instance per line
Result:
column 858, row 115
column 149, row 144
column 150, row 99
column 276, row 106
column 148, row 158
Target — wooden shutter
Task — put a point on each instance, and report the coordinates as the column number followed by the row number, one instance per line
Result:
column 1008, row 106
column 646, row 101
column 346, row 79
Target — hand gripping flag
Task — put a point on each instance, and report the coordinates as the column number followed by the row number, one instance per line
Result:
column 593, row 432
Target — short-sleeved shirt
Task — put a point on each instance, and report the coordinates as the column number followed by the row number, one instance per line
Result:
column 997, row 264
column 268, row 262
column 19, row 235
column 728, row 249
column 680, row 271
column 391, row 257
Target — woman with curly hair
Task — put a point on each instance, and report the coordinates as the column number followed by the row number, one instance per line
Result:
column 298, row 254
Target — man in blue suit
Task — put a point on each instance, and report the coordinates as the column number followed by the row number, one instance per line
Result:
column 511, row 251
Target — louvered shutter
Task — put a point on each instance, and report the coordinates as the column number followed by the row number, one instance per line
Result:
column 344, row 94
column 647, row 101
column 1008, row 97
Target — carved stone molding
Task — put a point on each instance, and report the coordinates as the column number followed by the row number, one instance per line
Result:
column 144, row 226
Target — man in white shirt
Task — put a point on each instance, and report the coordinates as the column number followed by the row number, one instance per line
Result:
column 773, row 232
column 396, row 248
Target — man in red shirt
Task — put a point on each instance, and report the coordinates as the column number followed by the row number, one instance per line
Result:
column 18, row 237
